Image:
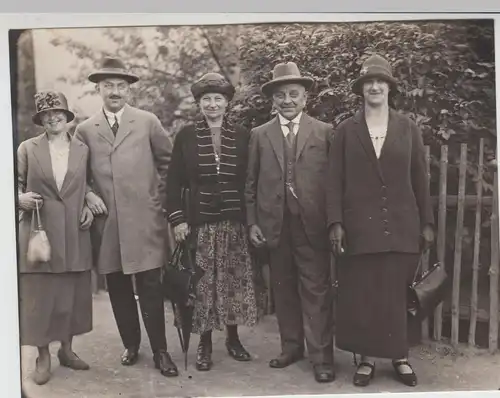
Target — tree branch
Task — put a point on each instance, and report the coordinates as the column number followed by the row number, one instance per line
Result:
column 214, row 55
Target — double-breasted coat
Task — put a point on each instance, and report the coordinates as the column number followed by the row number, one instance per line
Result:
column 265, row 187
column 382, row 203
column 129, row 173
column 61, row 211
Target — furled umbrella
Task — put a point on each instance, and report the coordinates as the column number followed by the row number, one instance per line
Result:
column 180, row 278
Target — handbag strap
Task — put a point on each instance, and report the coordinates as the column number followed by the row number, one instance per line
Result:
column 38, row 219
column 419, row 266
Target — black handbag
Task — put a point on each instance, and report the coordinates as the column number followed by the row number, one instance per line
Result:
column 427, row 291
column 178, row 276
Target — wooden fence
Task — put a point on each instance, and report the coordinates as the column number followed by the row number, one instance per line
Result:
column 461, row 202
column 434, row 327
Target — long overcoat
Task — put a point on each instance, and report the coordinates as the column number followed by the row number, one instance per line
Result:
column 61, row 210
column 382, row 203
column 265, row 184
column 129, row 173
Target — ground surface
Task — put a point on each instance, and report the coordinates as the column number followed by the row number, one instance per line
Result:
column 439, row 368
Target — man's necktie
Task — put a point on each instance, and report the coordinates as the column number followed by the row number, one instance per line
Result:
column 114, row 127
column 291, row 135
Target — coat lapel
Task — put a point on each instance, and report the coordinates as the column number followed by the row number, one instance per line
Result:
column 41, row 152
column 364, row 137
column 305, row 130
column 275, row 135
column 125, row 127
column 103, row 128
column 76, row 152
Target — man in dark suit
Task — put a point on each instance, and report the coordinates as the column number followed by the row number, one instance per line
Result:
column 285, row 200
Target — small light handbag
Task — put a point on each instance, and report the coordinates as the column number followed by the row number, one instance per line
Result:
column 38, row 246
column 428, row 290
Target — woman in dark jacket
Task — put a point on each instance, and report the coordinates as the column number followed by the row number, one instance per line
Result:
column 55, row 296
column 380, row 216
column 210, row 159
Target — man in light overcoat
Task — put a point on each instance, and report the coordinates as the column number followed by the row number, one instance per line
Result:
column 286, row 212
column 129, row 157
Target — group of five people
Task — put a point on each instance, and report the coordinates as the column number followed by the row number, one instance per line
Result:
column 292, row 187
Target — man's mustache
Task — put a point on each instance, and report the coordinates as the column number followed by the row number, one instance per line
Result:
column 114, row 97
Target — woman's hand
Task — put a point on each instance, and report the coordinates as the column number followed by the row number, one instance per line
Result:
column 427, row 237
column 337, row 237
column 28, row 200
column 86, row 218
column 95, row 204
column 181, row 232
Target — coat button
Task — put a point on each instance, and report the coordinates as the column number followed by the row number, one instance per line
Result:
column 384, row 198
column 384, row 209
column 386, row 233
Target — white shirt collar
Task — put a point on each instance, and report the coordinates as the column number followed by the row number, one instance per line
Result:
column 111, row 116
column 284, row 121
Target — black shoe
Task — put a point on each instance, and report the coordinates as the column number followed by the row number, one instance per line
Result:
column 409, row 379
column 362, row 380
column 164, row 363
column 130, row 356
column 236, row 350
column 324, row 373
column 285, row 359
column 204, row 356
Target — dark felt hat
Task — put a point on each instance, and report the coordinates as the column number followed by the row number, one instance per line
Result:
column 375, row 66
column 51, row 101
column 286, row 73
column 212, row 83
column 112, row 67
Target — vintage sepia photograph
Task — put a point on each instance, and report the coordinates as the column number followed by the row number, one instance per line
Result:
column 257, row 209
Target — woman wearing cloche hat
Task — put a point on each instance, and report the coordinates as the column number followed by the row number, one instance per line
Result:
column 210, row 159
column 55, row 291
column 380, row 219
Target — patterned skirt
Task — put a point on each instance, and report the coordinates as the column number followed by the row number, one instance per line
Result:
column 231, row 290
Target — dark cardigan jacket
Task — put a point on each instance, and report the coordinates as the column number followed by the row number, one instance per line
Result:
column 212, row 196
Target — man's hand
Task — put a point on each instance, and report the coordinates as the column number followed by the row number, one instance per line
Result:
column 256, row 236
column 96, row 204
column 86, row 218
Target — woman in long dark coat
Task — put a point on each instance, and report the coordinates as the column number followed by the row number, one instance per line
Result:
column 210, row 159
column 380, row 217
column 55, row 296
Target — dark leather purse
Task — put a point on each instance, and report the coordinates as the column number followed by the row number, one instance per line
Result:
column 427, row 291
column 178, row 280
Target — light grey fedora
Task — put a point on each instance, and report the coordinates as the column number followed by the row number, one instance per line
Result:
column 286, row 73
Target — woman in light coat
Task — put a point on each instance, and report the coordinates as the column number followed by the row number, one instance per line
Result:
column 55, row 296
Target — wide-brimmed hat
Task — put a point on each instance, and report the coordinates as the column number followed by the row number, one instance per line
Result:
column 212, row 83
column 286, row 73
column 375, row 66
column 51, row 101
column 112, row 67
